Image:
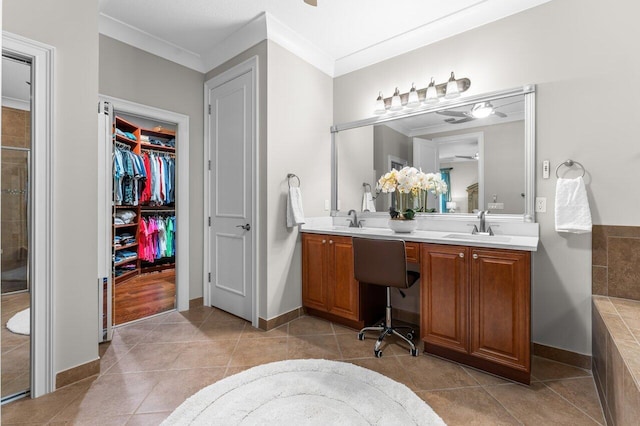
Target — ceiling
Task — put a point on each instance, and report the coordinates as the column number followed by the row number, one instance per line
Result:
column 337, row 36
column 16, row 90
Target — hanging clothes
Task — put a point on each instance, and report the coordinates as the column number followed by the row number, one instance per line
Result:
column 129, row 176
column 156, row 238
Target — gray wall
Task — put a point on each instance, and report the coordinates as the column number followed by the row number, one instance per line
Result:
column 75, row 157
column 153, row 81
column 575, row 51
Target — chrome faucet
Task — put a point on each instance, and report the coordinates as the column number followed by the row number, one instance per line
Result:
column 482, row 228
column 353, row 221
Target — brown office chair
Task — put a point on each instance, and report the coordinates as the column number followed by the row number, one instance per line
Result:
column 384, row 262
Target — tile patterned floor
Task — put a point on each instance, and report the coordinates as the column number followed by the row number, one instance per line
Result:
column 154, row 365
column 16, row 348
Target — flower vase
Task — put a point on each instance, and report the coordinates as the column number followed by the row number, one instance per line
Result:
column 403, row 225
column 404, row 201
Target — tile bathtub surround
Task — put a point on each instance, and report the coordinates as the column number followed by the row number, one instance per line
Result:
column 616, row 358
column 152, row 366
column 616, row 261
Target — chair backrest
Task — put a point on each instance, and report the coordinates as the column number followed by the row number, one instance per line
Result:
column 380, row 262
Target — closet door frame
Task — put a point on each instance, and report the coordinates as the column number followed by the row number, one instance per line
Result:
column 182, row 192
column 42, row 266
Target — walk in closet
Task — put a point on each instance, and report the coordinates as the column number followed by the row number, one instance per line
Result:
column 143, row 219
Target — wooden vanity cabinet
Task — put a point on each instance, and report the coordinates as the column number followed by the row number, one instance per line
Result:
column 475, row 307
column 328, row 285
column 329, row 289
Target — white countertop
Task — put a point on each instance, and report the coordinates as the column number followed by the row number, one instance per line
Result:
column 511, row 242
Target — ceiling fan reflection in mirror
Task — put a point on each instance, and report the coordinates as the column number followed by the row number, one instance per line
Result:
column 479, row 110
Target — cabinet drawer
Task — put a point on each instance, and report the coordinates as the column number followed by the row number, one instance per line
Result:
column 413, row 252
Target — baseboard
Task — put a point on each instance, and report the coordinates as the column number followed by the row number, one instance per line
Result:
column 194, row 303
column 267, row 325
column 562, row 355
column 75, row 374
column 405, row 316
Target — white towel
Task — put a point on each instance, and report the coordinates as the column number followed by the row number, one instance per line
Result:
column 572, row 206
column 295, row 214
column 367, row 202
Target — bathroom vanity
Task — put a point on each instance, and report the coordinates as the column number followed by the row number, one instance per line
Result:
column 475, row 292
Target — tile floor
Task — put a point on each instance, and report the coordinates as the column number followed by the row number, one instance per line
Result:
column 154, row 365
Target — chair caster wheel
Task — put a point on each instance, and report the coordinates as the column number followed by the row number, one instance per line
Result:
column 414, row 352
column 410, row 335
column 360, row 336
column 377, row 353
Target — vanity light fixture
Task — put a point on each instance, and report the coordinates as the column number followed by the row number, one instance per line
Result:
column 380, row 108
column 413, row 100
column 452, row 91
column 431, row 96
column 428, row 96
column 396, row 102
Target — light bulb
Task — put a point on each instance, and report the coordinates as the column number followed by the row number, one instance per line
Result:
column 452, row 88
column 396, row 102
column 413, row 100
column 432, row 93
column 482, row 110
column 380, row 107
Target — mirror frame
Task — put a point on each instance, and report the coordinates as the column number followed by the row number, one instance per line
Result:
column 529, row 92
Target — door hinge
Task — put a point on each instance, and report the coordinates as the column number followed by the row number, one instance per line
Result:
column 209, row 109
column 209, row 220
column 209, row 165
column 209, row 276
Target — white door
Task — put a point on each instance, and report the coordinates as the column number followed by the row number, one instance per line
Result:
column 426, row 157
column 231, row 138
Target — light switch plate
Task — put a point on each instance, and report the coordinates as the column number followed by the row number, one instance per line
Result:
column 327, row 205
column 545, row 169
column 541, row 204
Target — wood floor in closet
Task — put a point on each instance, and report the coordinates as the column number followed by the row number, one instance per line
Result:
column 145, row 295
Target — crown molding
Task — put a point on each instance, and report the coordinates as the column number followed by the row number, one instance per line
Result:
column 149, row 43
column 247, row 36
column 14, row 103
column 473, row 16
column 299, row 46
column 266, row 26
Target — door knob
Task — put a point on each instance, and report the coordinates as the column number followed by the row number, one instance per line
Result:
column 246, row 227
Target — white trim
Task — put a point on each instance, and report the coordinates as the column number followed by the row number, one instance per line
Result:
column 42, row 233
column 182, row 193
column 133, row 36
column 299, row 46
column 16, row 103
column 250, row 65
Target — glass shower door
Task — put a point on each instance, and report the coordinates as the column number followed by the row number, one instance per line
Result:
column 16, row 294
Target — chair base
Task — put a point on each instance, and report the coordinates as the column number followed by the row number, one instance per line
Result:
column 387, row 328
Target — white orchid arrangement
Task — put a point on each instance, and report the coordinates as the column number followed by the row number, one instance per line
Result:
column 410, row 180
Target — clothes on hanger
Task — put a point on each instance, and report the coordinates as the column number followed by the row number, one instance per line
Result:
column 159, row 188
column 129, row 176
column 156, row 237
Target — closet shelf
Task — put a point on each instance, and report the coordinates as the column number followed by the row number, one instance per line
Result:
column 123, row 262
column 127, row 141
column 126, row 225
column 161, row 148
column 127, row 275
column 124, row 247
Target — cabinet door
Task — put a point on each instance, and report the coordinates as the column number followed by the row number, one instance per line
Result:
column 500, row 310
column 314, row 271
column 444, row 306
column 343, row 287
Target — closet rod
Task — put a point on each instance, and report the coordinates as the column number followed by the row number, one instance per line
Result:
column 164, row 153
column 123, row 145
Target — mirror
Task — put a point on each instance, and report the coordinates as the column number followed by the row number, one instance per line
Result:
column 487, row 162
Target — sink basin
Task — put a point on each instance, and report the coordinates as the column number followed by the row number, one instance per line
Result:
column 478, row 237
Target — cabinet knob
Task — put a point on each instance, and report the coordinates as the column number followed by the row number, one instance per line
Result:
column 330, row 241
column 324, row 241
column 461, row 255
column 475, row 256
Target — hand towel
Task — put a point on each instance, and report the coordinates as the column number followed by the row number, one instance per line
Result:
column 295, row 214
column 572, row 206
column 367, row 202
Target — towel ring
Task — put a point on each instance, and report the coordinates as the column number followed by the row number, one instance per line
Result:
column 365, row 185
column 570, row 163
column 291, row 175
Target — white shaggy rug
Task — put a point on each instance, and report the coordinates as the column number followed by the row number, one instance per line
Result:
column 308, row 392
column 20, row 323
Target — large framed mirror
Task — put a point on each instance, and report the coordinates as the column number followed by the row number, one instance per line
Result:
column 487, row 158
